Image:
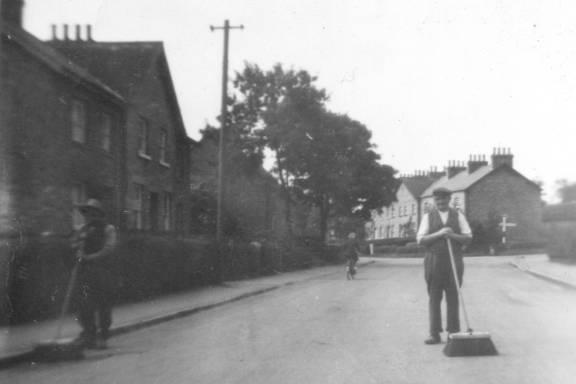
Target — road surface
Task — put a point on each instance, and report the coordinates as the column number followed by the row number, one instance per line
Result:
column 329, row 330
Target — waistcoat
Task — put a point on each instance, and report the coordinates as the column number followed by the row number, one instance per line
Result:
column 437, row 262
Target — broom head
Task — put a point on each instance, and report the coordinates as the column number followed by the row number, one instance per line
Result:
column 58, row 350
column 470, row 344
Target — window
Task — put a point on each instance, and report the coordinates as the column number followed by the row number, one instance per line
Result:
column 456, row 203
column 393, row 213
column 77, row 197
column 426, row 207
column 138, row 211
column 143, row 139
column 167, row 211
column 413, row 209
column 106, row 132
column 78, row 121
column 164, row 147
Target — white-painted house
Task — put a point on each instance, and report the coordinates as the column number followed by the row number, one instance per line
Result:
column 401, row 218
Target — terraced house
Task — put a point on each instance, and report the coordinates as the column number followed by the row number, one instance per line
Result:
column 90, row 119
column 81, row 119
column 156, row 147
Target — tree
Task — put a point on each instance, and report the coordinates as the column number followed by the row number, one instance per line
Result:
column 566, row 191
column 269, row 106
column 337, row 170
column 322, row 157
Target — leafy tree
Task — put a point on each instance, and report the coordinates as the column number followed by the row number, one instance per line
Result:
column 566, row 191
column 322, row 157
column 269, row 105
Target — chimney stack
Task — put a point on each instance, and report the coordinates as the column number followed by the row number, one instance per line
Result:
column 502, row 156
column 454, row 168
column 66, row 32
column 78, row 34
column 475, row 162
column 54, row 34
column 12, row 11
column 435, row 173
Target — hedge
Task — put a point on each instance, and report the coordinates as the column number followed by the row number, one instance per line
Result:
column 145, row 266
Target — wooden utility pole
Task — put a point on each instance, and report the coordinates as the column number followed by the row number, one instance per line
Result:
column 221, row 143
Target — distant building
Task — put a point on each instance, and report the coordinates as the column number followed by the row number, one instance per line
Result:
column 400, row 219
column 490, row 194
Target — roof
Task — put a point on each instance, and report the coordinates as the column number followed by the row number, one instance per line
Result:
column 123, row 65
column 58, row 62
column 460, row 182
column 464, row 180
column 417, row 185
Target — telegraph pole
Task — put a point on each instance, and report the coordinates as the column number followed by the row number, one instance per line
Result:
column 221, row 143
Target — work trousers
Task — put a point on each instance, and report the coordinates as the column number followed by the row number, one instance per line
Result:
column 437, row 287
column 96, row 301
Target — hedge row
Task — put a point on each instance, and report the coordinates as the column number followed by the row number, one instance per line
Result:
column 145, row 266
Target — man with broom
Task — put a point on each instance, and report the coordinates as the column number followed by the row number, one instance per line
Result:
column 94, row 244
column 440, row 225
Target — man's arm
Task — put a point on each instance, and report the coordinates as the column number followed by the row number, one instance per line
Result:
column 109, row 244
column 425, row 238
column 465, row 236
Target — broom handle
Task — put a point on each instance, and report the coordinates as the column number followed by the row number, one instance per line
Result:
column 66, row 304
column 458, row 284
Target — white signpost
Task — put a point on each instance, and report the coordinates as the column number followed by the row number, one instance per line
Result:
column 504, row 224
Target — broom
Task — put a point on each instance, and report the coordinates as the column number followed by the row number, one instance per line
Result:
column 467, row 343
column 59, row 349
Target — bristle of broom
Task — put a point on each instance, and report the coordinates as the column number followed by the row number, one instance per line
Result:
column 470, row 344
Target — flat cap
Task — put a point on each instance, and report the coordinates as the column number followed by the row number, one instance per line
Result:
column 442, row 192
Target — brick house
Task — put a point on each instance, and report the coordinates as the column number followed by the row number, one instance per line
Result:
column 488, row 192
column 62, row 132
column 156, row 175
column 485, row 192
column 81, row 119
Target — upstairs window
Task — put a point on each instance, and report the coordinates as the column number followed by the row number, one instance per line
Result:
column 164, row 147
column 143, row 139
column 78, row 121
column 106, row 132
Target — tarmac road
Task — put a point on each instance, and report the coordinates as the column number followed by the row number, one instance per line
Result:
column 329, row 330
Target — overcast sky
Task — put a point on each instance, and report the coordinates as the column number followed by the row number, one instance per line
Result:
column 433, row 80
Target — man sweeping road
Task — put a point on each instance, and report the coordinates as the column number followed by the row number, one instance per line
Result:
column 440, row 224
column 94, row 244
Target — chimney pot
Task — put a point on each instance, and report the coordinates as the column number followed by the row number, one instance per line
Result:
column 65, row 31
column 54, row 36
column 78, row 36
column 89, row 32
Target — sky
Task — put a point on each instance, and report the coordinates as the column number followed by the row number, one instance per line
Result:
column 434, row 80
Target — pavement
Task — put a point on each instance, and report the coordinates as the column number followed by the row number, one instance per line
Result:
column 18, row 342
column 541, row 267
